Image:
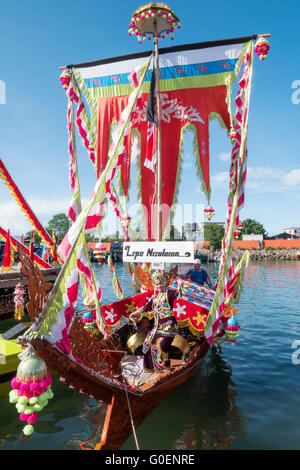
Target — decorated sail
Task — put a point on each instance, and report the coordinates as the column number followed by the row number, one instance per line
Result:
column 195, row 84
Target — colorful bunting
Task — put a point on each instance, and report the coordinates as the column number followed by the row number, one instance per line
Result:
column 39, row 261
column 235, row 200
column 4, row 174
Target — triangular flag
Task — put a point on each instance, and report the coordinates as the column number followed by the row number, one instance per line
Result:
column 8, row 254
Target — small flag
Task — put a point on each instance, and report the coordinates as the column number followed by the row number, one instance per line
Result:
column 8, row 254
column 151, row 104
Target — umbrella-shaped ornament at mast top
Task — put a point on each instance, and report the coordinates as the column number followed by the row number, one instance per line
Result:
column 155, row 20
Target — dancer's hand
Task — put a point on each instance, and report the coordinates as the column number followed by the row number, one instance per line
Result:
column 134, row 315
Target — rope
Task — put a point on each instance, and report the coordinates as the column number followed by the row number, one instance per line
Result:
column 130, row 414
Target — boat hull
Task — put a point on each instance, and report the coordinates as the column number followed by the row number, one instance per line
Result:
column 118, row 424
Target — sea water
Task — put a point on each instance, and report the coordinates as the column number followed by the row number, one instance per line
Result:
column 243, row 396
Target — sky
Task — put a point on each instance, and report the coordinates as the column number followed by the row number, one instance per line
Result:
column 39, row 37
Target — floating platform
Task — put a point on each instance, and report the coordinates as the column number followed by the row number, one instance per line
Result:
column 9, row 351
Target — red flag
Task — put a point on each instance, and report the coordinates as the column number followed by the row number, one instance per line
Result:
column 8, row 254
column 46, row 255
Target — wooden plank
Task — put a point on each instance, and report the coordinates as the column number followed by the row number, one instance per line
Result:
column 106, row 424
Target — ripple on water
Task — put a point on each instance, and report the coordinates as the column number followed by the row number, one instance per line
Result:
column 243, row 397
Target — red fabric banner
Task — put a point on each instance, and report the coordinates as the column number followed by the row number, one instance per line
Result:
column 179, row 108
column 116, row 313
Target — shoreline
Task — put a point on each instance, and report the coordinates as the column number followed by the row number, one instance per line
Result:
column 255, row 255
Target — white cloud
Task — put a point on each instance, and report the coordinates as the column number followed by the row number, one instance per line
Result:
column 262, row 179
column 260, row 172
column 12, row 217
column 187, row 161
column 224, row 157
column 220, row 179
column 187, row 165
column 292, row 178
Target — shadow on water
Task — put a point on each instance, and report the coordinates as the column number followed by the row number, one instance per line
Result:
column 201, row 414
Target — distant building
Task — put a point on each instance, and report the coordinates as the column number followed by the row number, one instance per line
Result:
column 294, row 231
column 195, row 231
column 253, row 236
column 284, row 236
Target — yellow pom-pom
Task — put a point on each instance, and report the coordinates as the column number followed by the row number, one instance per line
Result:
column 28, row 430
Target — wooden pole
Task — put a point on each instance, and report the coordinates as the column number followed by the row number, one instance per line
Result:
column 159, row 234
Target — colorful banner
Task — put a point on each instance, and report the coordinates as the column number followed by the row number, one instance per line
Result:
column 4, row 174
column 14, row 242
column 116, row 314
column 91, row 216
column 235, row 200
column 59, row 309
column 195, row 87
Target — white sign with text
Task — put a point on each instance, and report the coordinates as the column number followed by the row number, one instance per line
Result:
column 164, row 252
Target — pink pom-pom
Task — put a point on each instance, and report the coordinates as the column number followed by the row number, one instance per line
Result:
column 43, row 383
column 24, row 388
column 15, row 383
column 32, row 418
column 34, row 386
column 23, row 417
column 29, row 394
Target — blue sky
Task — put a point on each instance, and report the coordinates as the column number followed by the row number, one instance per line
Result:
column 38, row 37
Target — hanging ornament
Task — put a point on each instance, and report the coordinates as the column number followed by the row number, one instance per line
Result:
column 19, row 301
column 262, row 47
column 209, row 212
column 90, row 326
column 89, row 321
column 233, row 134
column 232, row 330
column 238, row 231
column 153, row 20
column 31, row 388
column 99, row 252
column 65, row 78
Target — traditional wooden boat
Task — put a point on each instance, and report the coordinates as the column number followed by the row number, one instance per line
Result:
column 193, row 84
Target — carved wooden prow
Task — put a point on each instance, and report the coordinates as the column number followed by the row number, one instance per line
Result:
column 38, row 289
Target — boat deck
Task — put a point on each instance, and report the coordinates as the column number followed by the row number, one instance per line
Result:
column 133, row 373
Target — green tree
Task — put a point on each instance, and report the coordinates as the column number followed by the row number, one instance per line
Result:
column 214, row 234
column 252, row 226
column 36, row 237
column 60, row 225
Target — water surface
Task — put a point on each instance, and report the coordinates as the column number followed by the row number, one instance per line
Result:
column 244, row 396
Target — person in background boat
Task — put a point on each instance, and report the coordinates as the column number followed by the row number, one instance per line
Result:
column 198, row 275
column 157, row 345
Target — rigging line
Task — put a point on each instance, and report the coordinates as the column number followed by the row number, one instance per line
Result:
column 130, row 413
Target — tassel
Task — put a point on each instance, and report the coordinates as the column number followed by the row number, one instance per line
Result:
column 31, row 388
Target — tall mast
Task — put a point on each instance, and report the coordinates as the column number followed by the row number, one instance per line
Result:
column 152, row 20
column 158, row 139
